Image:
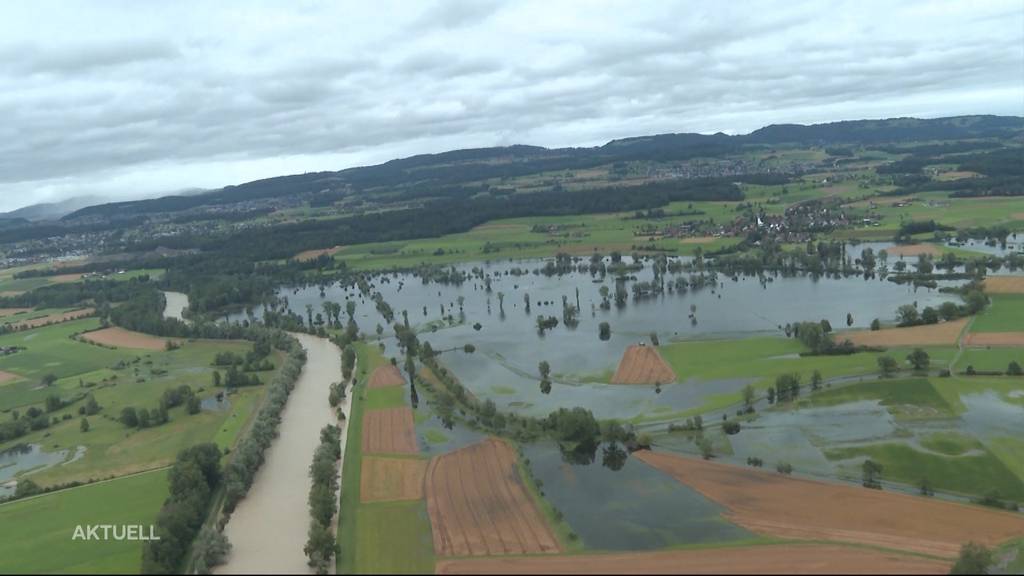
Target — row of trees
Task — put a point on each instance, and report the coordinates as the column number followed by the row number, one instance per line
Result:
column 323, row 500
column 248, row 457
column 192, row 481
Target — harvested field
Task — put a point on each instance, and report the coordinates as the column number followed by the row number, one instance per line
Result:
column 777, row 559
column 697, row 240
column 944, row 333
column 5, row 312
column 314, row 254
column 643, row 365
column 65, row 278
column 786, row 507
column 1004, row 284
column 390, row 479
column 979, row 339
column 389, row 431
column 7, row 377
column 53, row 319
column 914, row 250
column 385, row 376
column 479, row 507
column 121, row 338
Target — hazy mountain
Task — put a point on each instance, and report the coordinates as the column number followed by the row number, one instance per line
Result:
column 437, row 174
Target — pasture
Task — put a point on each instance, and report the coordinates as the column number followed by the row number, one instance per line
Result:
column 36, row 533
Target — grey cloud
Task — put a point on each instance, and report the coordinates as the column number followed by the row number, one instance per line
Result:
column 303, row 92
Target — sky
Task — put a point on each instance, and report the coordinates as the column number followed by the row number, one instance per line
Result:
column 131, row 99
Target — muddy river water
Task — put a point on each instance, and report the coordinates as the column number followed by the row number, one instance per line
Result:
column 268, row 528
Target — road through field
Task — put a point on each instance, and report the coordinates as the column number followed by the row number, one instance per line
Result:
column 268, row 528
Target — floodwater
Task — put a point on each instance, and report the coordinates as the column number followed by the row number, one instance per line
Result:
column 176, row 302
column 268, row 528
column 26, row 458
column 633, row 507
column 509, row 347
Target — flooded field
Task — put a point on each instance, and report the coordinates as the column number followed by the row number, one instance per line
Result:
column 497, row 321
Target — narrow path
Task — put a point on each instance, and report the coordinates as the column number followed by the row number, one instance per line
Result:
column 269, row 527
column 960, row 344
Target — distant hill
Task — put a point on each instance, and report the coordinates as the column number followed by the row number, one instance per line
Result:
column 53, row 210
column 438, row 174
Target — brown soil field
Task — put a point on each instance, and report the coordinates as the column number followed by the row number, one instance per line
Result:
column 995, row 339
column 389, row 431
column 121, row 338
column 54, row 319
column 479, row 507
column 385, row 376
column 5, row 312
column 774, row 559
column 914, row 250
column 7, row 377
column 390, row 479
column 1018, row 216
column 643, row 365
column 314, row 254
column 65, row 278
column 944, row 333
column 1004, row 284
column 781, row 506
column 11, row 293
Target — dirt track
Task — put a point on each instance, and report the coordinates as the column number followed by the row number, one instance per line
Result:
column 1004, row 285
column 942, row 334
column 479, row 507
column 121, row 338
column 643, row 365
column 389, row 431
column 778, row 559
column 390, row 479
column 995, row 339
column 786, row 507
column 385, row 376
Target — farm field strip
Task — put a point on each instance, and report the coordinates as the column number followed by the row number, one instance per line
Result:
column 789, row 507
column 642, row 364
column 941, row 334
column 1004, row 285
column 478, row 506
column 389, row 431
column 766, row 559
column 392, row 479
column 121, row 338
column 385, row 376
column 983, row 339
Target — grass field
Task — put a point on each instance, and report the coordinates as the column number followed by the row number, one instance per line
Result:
column 962, row 474
column 394, row 538
column 989, row 359
column 905, row 398
column 763, row 359
column 119, row 379
column 36, row 534
column 1005, row 314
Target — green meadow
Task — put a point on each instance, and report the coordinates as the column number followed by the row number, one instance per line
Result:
column 119, row 379
column 36, row 533
column 1005, row 314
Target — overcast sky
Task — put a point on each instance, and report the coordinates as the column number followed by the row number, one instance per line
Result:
column 133, row 98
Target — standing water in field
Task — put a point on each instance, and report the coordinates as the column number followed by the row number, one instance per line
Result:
column 175, row 305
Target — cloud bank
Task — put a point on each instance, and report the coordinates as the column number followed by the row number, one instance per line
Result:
column 128, row 99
